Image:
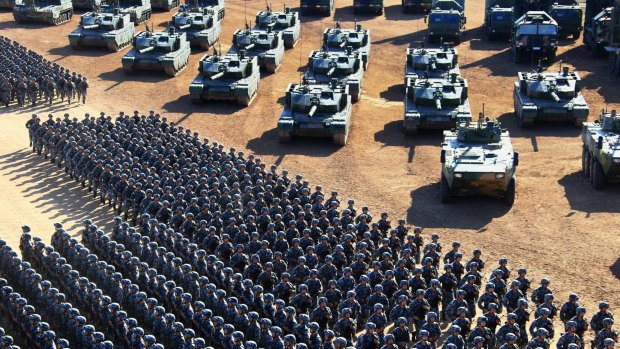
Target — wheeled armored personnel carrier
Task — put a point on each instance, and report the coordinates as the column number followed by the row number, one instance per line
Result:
column 346, row 67
column 435, row 62
column 267, row 45
column 167, row 50
column 201, row 22
column 368, row 6
column 9, row 4
column 139, row 11
column 286, row 22
column 548, row 96
column 316, row 111
column 596, row 33
column 534, row 38
column 112, row 30
column 322, row 7
column 53, row 12
column 600, row 158
column 446, row 21
column 233, row 77
column 569, row 16
column 337, row 39
column 498, row 18
column 435, row 103
column 478, row 159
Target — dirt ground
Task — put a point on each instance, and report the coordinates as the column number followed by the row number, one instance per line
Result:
column 559, row 226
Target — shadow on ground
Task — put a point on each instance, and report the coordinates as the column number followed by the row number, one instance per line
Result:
column 395, row 13
column 52, row 192
column 392, row 135
column 345, row 14
column 546, row 129
column 185, row 105
column 582, row 197
column 615, row 268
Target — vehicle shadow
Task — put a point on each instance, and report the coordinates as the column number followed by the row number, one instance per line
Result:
column 405, row 39
column 269, row 144
column 395, row 13
column 472, row 213
column 394, row 93
column 392, row 135
column 499, row 64
column 615, row 269
column 345, row 14
column 582, row 197
column 185, row 105
column 94, row 51
column 547, row 129
column 119, row 76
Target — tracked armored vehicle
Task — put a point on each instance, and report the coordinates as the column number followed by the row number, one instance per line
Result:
column 596, row 33
column 435, row 103
column 546, row 96
column 498, row 18
column 139, row 11
column 112, row 30
column 568, row 14
column 9, row 4
column 478, row 159
column 233, row 77
column 534, row 38
column 600, row 158
column 435, row 62
column 337, row 39
column 316, row 111
column 322, row 7
column 266, row 45
column 346, row 67
column 368, row 6
column 201, row 22
column 446, row 21
column 53, row 12
column 286, row 22
column 168, row 51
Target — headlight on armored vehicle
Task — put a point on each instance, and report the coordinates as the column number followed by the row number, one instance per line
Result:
column 499, row 175
column 458, row 175
column 617, row 160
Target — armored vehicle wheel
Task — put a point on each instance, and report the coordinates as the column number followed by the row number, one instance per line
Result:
column 285, row 137
column 340, row 138
column 128, row 70
column 75, row 45
column 244, row 101
column 411, row 130
column 585, row 162
column 509, row 197
column 18, row 19
column 522, row 122
column 113, row 47
column 271, row 68
column 444, row 188
column 356, row 96
column 578, row 123
column 598, row 176
column 196, row 99
column 576, row 35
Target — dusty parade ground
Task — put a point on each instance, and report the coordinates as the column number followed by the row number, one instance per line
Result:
column 559, row 226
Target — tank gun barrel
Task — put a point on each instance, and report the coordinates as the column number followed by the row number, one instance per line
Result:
column 555, row 96
column 217, row 76
column 313, row 110
column 438, row 103
column 343, row 44
column 331, row 71
column 92, row 26
column 185, row 26
column 249, row 47
column 146, row 49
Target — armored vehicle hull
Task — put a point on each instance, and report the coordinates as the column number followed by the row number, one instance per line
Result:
column 286, row 22
column 600, row 158
column 368, row 6
column 316, row 111
column 92, row 32
column 549, row 97
column 321, row 7
column 88, row 4
column 201, row 26
column 53, row 12
column 139, row 11
column 164, row 5
column 233, row 77
column 172, row 57
column 9, row 4
column 346, row 68
column 266, row 45
column 498, row 18
column 435, row 103
column 337, row 39
column 478, row 160
column 417, row 6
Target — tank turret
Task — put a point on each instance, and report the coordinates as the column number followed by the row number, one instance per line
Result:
column 543, row 95
column 338, row 39
column 201, row 22
column 112, row 30
column 436, row 62
column 267, row 45
column 286, row 22
column 345, row 67
column 139, row 11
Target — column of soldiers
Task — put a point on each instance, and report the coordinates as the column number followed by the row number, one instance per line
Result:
column 26, row 77
column 279, row 264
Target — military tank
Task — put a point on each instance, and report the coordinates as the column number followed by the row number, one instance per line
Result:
column 233, row 77
column 435, row 103
column 337, row 39
column 139, row 11
column 201, row 23
column 478, row 159
column 548, row 96
column 316, row 111
column 112, row 30
column 267, row 45
column 600, row 158
column 53, row 12
column 322, row 7
column 9, row 4
column 286, row 22
column 435, row 62
column 346, row 67
column 167, row 50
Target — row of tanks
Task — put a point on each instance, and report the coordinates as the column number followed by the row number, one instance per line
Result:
column 321, row 104
column 436, row 95
column 234, row 76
